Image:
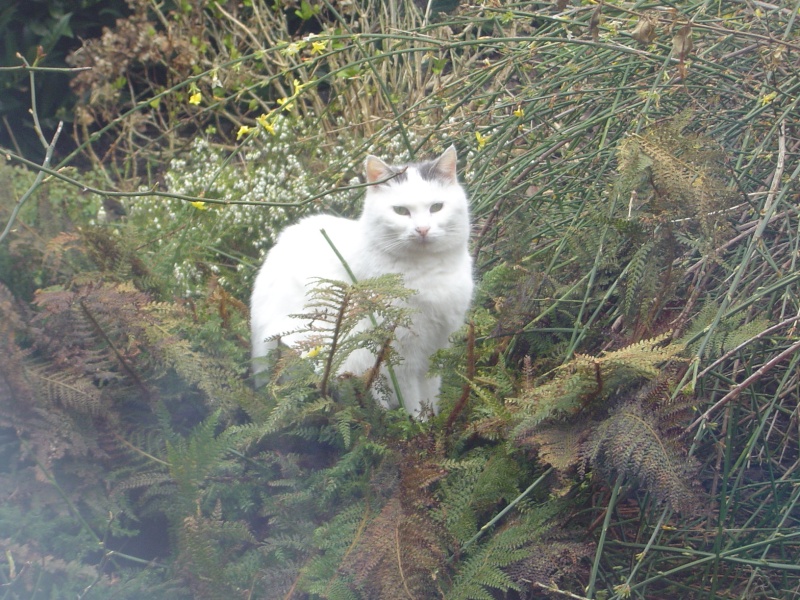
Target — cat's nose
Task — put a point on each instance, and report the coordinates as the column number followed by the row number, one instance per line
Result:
column 423, row 230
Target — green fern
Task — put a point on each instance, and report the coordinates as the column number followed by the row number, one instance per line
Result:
column 335, row 540
column 476, row 485
column 727, row 334
column 587, row 379
column 192, row 459
column 485, row 569
column 640, row 268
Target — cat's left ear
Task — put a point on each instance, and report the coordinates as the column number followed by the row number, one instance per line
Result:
column 376, row 170
column 445, row 166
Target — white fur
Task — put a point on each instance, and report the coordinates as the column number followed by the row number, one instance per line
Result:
column 429, row 249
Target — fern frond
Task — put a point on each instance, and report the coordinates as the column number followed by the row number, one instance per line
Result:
column 641, row 358
column 640, row 267
column 559, row 445
column 398, row 554
column 586, row 379
column 485, row 570
column 630, row 442
column 67, row 390
column 335, row 539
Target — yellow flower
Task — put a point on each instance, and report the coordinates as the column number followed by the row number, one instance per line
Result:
column 482, row 139
column 243, row 131
column 318, row 47
column 519, row 113
column 196, row 98
column 286, row 103
column 299, row 87
column 200, row 205
column 312, row 353
column 263, row 120
column 293, row 48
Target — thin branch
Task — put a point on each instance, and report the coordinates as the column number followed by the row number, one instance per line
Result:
column 35, row 69
column 36, row 182
column 554, row 589
column 757, row 337
column 745, row 384
column 152, row 192
column 779, row 165
column 503, row 512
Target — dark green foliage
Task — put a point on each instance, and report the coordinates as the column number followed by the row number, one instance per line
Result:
column 672, row 186
column 625, row 289
column 49, row 30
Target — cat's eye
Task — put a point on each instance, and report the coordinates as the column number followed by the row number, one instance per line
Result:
column 436, row 207
column 402, row 210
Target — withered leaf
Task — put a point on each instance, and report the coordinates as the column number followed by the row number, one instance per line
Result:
column 682, row 42
column 594, row 22
column 645, row 30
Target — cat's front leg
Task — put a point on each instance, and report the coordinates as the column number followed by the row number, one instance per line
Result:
column 429, row 394
column 420, row 392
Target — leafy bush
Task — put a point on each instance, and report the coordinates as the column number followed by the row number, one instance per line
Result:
column 620, row 419
column 273, row 179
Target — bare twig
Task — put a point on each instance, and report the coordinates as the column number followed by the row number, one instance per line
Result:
column 49, row 147
column 734, row 393
column 36, row 182
column 733, row 351
column 554, row 589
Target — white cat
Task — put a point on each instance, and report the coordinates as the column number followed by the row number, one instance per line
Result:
column 415, row 223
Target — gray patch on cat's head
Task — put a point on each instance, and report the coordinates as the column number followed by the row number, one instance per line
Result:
column 440, row 170
column 429, row 171
column 426, row 169
column 400, row 174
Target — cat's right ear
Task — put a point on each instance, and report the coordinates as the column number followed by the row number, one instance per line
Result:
column 376, row 170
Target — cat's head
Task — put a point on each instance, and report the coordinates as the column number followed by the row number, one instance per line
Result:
column 416, row 208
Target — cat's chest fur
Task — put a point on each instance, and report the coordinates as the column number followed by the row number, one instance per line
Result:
column 415, row 223
column 442, row 286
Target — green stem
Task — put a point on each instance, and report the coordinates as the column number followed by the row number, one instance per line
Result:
column 503, row 512
column 648, row 546
column 601, row 542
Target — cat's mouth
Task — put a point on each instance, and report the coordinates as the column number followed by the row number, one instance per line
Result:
column 423, row 240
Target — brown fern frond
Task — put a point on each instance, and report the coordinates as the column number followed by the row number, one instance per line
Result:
column 67, row 390
column 58, row 247
column 641, row 440
column 397, row 556
column 93, row 331
column 558, row 445
column 399, row 551
column 111, row 254
column 552, row 560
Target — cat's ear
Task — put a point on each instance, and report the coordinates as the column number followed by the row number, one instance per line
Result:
column 376, row 170
column 445, row 166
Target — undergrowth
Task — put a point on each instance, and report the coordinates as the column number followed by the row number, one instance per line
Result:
column 619, row 416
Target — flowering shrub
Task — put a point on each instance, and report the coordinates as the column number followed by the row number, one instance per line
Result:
column 271, row 180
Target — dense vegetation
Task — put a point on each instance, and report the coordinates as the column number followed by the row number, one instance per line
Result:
column 620, row 415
